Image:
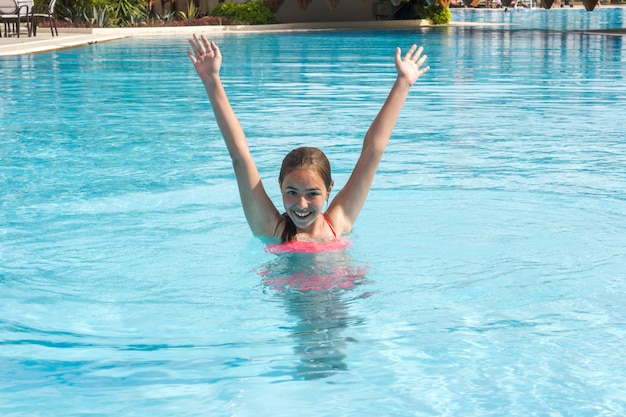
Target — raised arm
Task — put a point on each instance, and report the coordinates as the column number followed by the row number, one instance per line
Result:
column 261, row 214
column 347, row 205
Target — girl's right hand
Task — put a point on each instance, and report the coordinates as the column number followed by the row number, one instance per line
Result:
column 205, row 56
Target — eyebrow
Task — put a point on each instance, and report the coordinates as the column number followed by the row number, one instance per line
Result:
column 306, row 190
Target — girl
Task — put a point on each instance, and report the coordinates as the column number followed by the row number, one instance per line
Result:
column 305, row 180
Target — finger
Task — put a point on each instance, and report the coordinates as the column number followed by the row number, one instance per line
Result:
column 418, row 53
column 192, row 57
column 409, row 54
column 199, row 44
column 216, row 50
column 194, row 45
column 422, row 59
column 206, row 44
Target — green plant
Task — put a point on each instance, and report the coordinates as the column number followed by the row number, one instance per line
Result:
column 165, row 17
column 98, row 17
column 127, row 12
column 420, row 9
column 73, row 11
column 192, row 12
column 439, row 15
column 252, row 12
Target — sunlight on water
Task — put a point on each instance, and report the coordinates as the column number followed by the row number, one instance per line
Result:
column 485, row 275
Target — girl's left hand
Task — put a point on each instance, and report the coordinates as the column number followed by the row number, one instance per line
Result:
column 410, row 67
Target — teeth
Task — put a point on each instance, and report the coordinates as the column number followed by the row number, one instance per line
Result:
column 301, row 214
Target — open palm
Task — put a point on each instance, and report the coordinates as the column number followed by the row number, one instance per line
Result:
column 410, row 67
column 205, row 56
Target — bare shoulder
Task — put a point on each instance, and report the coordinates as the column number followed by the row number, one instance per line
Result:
column 340, row 222
column 278, row 226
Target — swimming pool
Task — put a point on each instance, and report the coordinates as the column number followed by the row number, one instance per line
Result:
column 486, row 272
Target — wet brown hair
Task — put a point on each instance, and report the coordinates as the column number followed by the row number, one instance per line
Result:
column 299, row 158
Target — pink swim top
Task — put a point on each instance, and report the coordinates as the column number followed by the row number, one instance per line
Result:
column 302, row 246
column 332, row 229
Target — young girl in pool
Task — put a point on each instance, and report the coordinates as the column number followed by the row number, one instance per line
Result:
column 305, row 180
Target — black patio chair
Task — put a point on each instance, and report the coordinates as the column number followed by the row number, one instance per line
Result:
column 44, row 11
column 12, row 15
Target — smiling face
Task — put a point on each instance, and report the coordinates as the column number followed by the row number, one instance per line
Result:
column 305, row 183
column 304, row 196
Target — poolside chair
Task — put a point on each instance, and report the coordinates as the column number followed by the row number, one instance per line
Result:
column 12, row 15
column 44, row 11
column 27, row 7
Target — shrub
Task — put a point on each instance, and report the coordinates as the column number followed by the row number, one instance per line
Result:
column 103, row 12
column 420, row 9
column 192, row 12
column 127, row 12
column 73, row 11
column 199, row 21
column 252, row 12
column 98, row 16
column 439, row 15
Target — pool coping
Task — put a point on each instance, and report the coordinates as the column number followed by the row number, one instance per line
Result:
column 73, row 37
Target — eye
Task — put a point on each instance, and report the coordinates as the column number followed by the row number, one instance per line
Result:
column 290, row 193
column 314, row 194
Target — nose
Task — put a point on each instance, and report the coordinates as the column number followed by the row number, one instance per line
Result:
column 302, row 202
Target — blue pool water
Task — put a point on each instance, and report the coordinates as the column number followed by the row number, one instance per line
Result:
column 486, row 272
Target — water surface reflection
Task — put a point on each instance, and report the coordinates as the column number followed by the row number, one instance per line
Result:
column 317, row 289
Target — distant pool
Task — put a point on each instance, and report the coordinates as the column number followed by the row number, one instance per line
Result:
column 486, row 272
